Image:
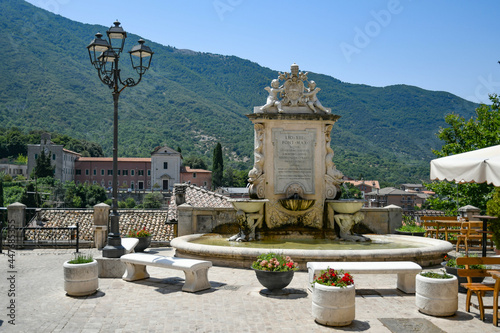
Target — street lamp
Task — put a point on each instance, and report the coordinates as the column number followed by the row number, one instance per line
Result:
column 104, row 56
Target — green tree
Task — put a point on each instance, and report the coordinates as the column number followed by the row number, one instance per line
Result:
column 1, row 194
column 462, row 136
column 195, row 162
column 217, row 167
column 43, row 168
column 152, row 200
column 349, row 191
column 30, row 197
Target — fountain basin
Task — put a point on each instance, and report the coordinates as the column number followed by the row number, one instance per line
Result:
column 296, row 205
column 345, row 206
column 248, row 205
column 426, row 252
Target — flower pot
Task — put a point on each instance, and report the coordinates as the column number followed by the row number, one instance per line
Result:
column 144, row 243
column 436, row 297
column 461, row 279
column 274, row 281
column 81, row 279
column 333, row 306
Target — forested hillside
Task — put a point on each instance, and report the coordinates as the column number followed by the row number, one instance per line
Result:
column 193, row 100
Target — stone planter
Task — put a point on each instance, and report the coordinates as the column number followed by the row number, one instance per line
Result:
column 274, row 281
column 81, row 279
column 144, row 243
column 461, row 279
column 436, row 297
column 333, row 306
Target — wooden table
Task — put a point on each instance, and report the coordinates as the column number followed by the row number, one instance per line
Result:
column 485, row 219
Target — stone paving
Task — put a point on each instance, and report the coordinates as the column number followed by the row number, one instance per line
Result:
column 234, row 303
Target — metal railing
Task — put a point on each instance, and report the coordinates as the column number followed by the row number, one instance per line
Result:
column 54, row 237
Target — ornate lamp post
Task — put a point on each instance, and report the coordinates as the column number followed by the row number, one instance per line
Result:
column 104, row 56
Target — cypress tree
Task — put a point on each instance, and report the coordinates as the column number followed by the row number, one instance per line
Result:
column 217, row 167
column 43, row 168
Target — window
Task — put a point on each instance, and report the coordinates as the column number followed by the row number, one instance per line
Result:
column 78, row 172
column 110, row 183
column 165, row 165
column 95, row 172
column 149, row 172
column 94, row 182
column 118, row 172
column 125, row 172
column 36, row 156
column 54, row 157
column 140, row 172
column 102, row 172
column 194, row 174
column 132, row 172
column 87, row 172
column 110, row 172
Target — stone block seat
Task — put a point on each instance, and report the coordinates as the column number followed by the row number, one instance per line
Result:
column 195, row 271
column 406, row 270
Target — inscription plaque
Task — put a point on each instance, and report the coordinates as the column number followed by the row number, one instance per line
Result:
column 293, row 159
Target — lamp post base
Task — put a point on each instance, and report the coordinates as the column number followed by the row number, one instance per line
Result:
column 114, row 248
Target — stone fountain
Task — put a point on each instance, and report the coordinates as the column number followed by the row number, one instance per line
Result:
column 294, row 190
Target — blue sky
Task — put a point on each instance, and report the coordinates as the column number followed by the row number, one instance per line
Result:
column 436, row 45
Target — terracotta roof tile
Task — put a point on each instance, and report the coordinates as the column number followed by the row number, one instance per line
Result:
column 200, row 198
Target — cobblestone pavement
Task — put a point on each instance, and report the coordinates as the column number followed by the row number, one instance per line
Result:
column 233, row 304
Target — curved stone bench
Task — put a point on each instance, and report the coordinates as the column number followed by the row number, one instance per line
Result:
column 406, row 270
column 195, row 271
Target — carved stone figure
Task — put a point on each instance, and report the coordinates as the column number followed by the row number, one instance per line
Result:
column 256, row 176
column 312, row 100
column 346, row 222
column 272, row 99
column 333, row 177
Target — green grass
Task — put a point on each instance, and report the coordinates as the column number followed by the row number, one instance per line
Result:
column 81, row 259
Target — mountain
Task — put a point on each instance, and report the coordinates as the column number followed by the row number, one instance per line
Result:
column 192, row 100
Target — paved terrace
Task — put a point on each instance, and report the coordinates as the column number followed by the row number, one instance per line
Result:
column 232, row 305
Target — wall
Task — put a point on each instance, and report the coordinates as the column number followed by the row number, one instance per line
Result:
column 383, row 220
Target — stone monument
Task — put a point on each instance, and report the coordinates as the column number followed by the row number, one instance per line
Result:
column 293, row 167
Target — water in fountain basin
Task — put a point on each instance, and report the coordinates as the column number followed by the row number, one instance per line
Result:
column 309, row 244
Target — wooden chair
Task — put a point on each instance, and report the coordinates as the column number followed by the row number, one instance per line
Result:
column 479, row 289
column 470, row 232
column 435, row 225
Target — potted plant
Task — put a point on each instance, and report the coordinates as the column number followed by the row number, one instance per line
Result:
column 436, row 293
column 274, row 271
column 410, row 227
column 144, row 237
column 81, row 275
column 451, row 267
column 333, row 298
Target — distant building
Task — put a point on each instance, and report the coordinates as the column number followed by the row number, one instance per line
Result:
column 62, row 159
column 133, row 172
column 364, row 186
column 413, row 187
column 14, row 170
column 165, row 168
column 196, row 177
column 160, row 171
column 393, row 196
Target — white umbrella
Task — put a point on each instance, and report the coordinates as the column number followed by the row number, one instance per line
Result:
column 477, row 166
